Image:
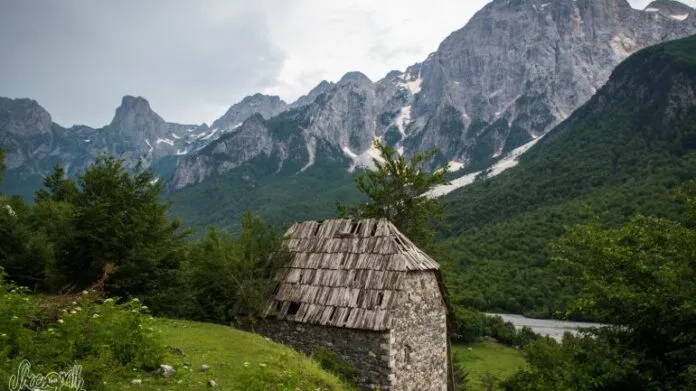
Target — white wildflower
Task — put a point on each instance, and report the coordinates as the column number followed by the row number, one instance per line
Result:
column 109, row 300
column 60, row 321
column 73, row 312
column 96, row 315
column 85, row 293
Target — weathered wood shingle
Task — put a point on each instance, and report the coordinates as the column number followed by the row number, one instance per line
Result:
column 345, row 273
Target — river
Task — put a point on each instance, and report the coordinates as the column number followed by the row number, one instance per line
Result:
column 547, row 327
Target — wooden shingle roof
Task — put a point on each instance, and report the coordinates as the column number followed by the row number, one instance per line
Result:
column 345, row 273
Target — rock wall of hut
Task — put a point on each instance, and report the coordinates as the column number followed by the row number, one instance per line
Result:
column 419, row 355
column 368, row 351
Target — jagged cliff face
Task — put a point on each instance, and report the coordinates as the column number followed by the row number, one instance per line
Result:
column 267, row 106
column 519, row 67
column 35, row 144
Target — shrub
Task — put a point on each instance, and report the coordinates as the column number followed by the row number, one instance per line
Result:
column 103, row 336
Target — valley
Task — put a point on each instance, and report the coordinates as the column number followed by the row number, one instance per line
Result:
column 557, row 140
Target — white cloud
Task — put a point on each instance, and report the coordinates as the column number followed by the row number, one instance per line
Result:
column 325, row 39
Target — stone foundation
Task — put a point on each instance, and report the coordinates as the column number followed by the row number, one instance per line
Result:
column 367, row 351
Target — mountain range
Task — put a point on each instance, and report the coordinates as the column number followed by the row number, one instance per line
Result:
column 515, row 71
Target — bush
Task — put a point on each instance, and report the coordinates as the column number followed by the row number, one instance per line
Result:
column 106, row 338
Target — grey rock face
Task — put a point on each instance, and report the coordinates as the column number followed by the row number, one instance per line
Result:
column 35, row 144
column 345, row 115
column 670, row 8
column 516, row 70
column 251, row 139
column 519, row 67
column 24, row 117
column 267, row 106
column 313, row 94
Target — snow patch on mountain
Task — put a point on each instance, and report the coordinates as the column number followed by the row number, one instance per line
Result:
column 509, row 161
column 149, row 145
column 312, row 151
column 414, row 85
column 455, row 166
column 167, row 141
column 403, row 119
column 210, row 135
column 680, row 18
column 365, row 159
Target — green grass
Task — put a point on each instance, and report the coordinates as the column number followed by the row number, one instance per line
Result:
column 237, row 360
column 490, row 360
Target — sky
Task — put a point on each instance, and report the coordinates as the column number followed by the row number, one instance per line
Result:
column 192, row 60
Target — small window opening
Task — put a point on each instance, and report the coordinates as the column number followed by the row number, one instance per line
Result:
column 374, row 229
column 345, row 319
column 407, row 354
column 354, row 225
column 316, row 229
column 400, row 242
column 294, row 308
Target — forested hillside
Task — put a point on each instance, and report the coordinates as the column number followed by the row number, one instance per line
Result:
column 623, row 152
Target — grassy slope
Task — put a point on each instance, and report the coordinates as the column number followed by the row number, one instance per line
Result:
column 237, row 360
column 483, row 359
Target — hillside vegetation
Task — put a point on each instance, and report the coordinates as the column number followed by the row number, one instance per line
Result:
column 623, row 152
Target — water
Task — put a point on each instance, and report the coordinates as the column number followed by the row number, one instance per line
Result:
column 547, row 327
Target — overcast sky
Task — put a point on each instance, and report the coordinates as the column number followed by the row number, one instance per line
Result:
column 192, row 59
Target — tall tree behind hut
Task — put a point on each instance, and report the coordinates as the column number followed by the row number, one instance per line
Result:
column 396, row 191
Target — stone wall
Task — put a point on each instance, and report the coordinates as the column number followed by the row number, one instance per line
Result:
column 368, row 351
column 419, row 356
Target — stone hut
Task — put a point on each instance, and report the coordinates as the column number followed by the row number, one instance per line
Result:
column 363, row 290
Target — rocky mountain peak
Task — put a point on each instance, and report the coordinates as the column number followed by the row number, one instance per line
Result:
column 671, row 8
column 134, row 111
column 358, row 78
column 24, row 117
column 313, row 94
column 266, row 105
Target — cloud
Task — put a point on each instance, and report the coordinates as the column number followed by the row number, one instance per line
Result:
column 194, row 59
column 191, row 61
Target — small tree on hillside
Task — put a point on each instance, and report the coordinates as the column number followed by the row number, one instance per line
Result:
column 396, row 190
